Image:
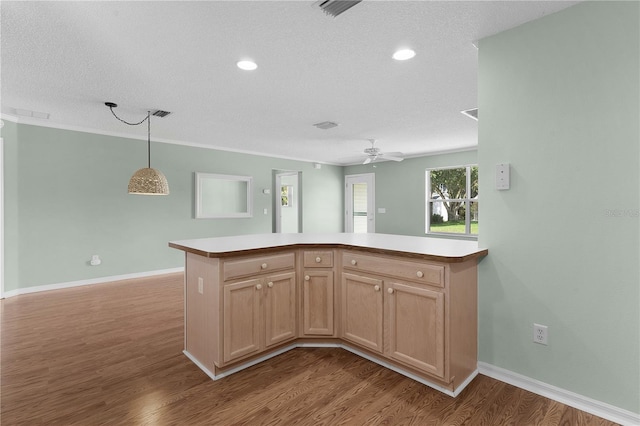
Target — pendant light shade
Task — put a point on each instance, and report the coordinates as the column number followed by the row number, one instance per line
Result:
column 148, row 181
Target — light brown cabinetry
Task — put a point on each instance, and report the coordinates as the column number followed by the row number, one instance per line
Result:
column 413, row 313
column 415, row 333
column 414, row 316
column 242, row 319
column 317, row 293
column 238, row 307
column 280, row 309
column 402, row 308
column 249, row 267
column 362, row 311
column 258, row 313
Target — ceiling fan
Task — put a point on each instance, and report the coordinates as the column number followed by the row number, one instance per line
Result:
column 374, row 153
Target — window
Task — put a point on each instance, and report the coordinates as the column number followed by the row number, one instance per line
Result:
column 285, row 195
column 452, row 201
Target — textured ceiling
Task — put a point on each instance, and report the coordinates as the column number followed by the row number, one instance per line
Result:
column 68, row 58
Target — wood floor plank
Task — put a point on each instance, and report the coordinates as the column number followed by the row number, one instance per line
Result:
column 111, row 354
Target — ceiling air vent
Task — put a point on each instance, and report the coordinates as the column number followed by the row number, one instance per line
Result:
column 326, row 125
column 29, row 113
column 335, row 7
column 160, row 113
column 472, row 113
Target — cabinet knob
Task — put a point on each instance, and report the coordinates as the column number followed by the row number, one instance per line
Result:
column 376, row 288
column 390, row 290
column 259, row 287
column 306, row 278
column 269, row 284
column 318, row 259
column 263, row 266
column 353, row 262
column 419, row 274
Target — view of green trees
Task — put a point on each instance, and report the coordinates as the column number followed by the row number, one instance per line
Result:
column 451, row 192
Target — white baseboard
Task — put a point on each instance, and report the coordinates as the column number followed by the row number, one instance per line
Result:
column 592, row 406
column 101, row 280
column 238, row 368
column 419, row 379
column 200, row 365
column 241, row 367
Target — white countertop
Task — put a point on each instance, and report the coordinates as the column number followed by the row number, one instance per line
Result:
column 441, row 248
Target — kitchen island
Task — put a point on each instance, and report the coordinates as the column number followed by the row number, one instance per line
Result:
column 407, row 303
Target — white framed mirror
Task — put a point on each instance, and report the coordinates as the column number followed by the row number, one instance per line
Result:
column 223, row 196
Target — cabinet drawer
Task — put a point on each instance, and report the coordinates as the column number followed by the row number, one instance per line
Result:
column 256, row 265
column 416, row 271
column 318, row 259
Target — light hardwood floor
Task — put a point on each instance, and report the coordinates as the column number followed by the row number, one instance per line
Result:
column 112, row 354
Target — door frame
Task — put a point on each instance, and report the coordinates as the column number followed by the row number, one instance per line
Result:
column 370, row 180
column 1, row 218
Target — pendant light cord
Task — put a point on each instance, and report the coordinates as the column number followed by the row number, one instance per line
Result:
column 147, row 119
column 148, row 139
column 126, row 122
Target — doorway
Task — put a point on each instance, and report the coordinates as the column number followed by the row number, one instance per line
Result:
column 360, row 203
column 287, row 197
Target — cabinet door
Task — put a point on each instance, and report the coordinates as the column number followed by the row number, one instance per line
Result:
column 280, row 308
column 362, row 311
column 241, row 319
column 416, row 327
column 317, row 299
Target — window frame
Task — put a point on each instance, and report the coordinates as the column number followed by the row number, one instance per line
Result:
column 467, row 203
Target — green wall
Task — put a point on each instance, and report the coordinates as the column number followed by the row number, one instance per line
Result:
column 559, row 100
column 66, row 199
column 400, row 189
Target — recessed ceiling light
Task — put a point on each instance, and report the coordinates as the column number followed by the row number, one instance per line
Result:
column 404, row 54
column 247, row 65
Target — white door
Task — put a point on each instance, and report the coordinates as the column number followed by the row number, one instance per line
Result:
column 287, row 202
column 360, row 203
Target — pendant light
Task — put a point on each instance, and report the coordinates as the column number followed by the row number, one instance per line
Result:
column 145, row 181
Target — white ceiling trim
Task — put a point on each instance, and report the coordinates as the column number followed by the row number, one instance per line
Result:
column 38, row 122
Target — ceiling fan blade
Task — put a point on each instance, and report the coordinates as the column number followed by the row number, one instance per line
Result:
column 393, row 156
column 367, row 160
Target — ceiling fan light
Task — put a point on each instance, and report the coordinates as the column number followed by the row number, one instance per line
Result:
column 148, row 181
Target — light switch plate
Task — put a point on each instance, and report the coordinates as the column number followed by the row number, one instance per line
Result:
column 502, row 176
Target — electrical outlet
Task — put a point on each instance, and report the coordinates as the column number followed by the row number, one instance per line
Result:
column 200, row 285
column 540, row 334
